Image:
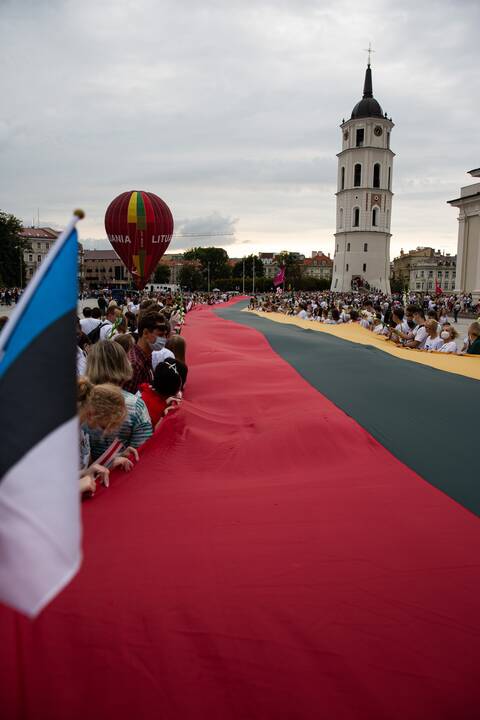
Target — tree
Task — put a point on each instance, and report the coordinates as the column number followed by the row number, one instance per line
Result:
column 293, row 268
column 397, row 285
column 237, row 271
column 12, row 245
column 162, row 274
column 211, row 259
column 191, row 276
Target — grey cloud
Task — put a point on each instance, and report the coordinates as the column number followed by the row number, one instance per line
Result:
column 234, row 106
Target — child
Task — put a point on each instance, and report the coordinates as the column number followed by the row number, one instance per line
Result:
column 99, row 407
column 163, row 394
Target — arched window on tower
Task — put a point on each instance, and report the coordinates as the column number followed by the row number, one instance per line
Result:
column 340, row 219
column 389, row 177
column 357, row 175
column 375, row 217
column 388, row 219
column 356, row 217
column 376, row 175
column 348, row 247
column 342, row 179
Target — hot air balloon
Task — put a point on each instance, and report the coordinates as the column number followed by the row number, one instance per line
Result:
column 139, row 226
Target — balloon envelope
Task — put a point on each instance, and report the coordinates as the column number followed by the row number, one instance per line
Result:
column 139, row 226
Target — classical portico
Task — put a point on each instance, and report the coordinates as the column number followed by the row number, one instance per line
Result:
column 468, row 252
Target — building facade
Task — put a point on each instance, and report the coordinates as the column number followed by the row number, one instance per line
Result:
column 468, row 249
column 430, row 273
column 364, row 197
column 424, row 269
column 319, row 266
column 270, row 265
column 103, row 268
column 39, row 241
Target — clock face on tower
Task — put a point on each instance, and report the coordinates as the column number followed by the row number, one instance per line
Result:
column 378, row 130
column 376, row 199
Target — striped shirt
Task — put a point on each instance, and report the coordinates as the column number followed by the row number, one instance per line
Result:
column 136, row 428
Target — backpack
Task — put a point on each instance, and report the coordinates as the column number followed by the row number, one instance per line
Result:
column 94, row 335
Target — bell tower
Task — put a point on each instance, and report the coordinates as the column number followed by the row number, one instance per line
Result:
column 364, row 197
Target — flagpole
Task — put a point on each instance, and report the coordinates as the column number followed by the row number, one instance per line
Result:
column 243, row 277
column 253, row 275
column 32, row 286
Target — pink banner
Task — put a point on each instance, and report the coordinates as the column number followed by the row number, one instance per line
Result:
column 279, row 277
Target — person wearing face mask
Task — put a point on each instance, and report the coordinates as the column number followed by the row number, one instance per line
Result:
column 418, row 336
column 474, row 339
column 152, row 332
column 448, row 336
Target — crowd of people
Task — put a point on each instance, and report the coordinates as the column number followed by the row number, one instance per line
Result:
column 411, row 321
column 131, row 356
column 131, row 367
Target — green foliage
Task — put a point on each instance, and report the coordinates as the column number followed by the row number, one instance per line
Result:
column 162, row 274
column 396, row 285
column 12, row 245
column 192, row 277
column 293, row 269
column 237, row 271
column 216, row 258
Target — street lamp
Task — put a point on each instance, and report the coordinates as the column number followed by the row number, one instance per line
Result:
column 243, row 277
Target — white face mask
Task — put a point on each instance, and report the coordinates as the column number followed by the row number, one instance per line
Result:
column 159, row 343
column 444, row 335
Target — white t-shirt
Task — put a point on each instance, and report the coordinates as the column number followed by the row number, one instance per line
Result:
column 159, row 356
column 449, row 347
column 420, row 335
column 89, row 324
column 403, row 327
column 81, row 362
column 302, row 315
column 105, row 330
column 433, row 343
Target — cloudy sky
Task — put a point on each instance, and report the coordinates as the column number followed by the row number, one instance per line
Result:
column 229, row 110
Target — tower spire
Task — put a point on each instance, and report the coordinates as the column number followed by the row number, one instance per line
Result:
column 367, row 86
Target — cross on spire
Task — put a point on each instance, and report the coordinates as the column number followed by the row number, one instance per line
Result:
column 369, row 51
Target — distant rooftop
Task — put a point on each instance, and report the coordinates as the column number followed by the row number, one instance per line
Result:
column 100, row 255
column 37, row 233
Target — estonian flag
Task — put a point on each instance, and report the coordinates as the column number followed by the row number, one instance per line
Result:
column 40, row 530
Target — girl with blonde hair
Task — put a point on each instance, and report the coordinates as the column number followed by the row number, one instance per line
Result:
column 107, row 362
column 99, row 407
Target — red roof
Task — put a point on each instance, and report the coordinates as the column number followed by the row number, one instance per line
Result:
column 39, row 233
column 100, row 255
column 318, row 261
